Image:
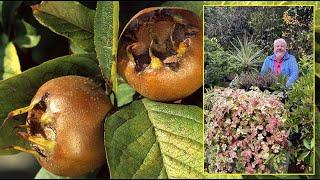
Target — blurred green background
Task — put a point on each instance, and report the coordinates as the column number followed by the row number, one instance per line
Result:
column 18, row 166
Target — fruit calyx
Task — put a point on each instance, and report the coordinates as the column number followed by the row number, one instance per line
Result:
column 40, row 130
column 158, row 39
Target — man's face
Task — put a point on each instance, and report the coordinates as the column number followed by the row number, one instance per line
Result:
column 279, row 49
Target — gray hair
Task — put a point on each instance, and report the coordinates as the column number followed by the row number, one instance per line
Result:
column 280, row 40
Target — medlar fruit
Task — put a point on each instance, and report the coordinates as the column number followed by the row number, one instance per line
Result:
column 65, row 125
column 160, row 53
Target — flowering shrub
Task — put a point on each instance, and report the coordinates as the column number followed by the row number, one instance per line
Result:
column 244, row 132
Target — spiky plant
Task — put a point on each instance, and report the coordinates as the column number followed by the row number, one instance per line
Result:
column 247, row 55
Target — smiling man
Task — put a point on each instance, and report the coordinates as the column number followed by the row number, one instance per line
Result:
column 281, row 62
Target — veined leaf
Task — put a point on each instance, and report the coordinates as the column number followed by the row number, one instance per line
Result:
column 124, row 94
column 106, row 27
column 68, row 18
column 155, row 140
column 17, row 92
column 9, row 61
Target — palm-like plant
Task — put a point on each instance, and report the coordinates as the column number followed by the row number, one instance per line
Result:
column 246, row 56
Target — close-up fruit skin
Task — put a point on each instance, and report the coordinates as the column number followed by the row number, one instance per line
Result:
column 65, row 125
column 160, row 53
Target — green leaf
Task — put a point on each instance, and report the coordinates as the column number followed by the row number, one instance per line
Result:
column 27, row 41
column 106, row 27
column 155, row 140
column 45, row 174
column 194, row 6
column 296, row 128
column 26, row 35
column 75, row 49
column 303, row 155
column 9, row 61
column 124, row 94
column 23, row 28
column 69, row 19
column 18, row 91
column 306, row 144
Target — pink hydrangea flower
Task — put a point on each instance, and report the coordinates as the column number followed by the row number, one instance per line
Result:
column 246, row 154
column 273, row 124
column 262, row 167
column 246, row 126
column 250, row 169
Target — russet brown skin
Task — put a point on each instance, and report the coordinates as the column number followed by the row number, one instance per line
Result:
column 164, row 84
column 78, row 108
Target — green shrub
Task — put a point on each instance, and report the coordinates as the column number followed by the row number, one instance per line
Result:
column 300, row 121
column 305, row 64
column 218, row 65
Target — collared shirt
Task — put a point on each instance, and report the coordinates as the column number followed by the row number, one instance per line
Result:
column 277, row 66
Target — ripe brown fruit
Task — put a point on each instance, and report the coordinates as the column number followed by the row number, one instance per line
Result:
column 65, row 124
column 160, row 53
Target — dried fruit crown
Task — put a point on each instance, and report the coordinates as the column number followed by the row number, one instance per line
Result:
column 158, row 39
